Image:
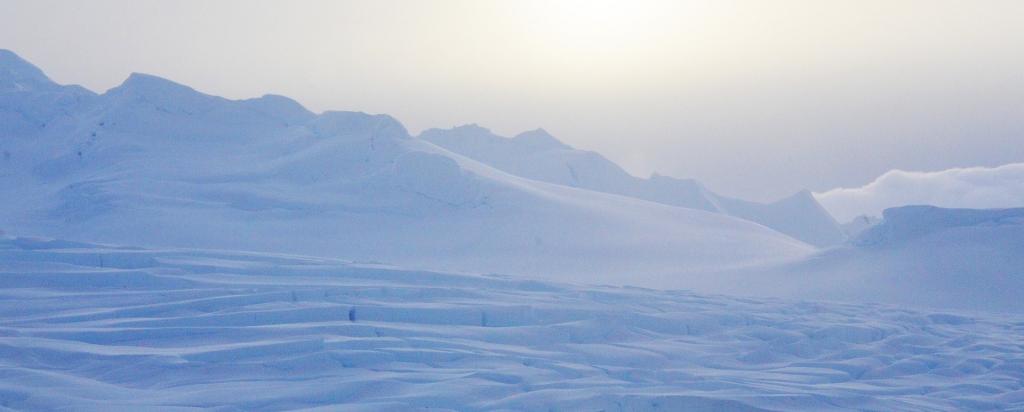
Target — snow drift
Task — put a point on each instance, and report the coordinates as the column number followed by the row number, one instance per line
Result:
column 89, row 327
column 917, row 255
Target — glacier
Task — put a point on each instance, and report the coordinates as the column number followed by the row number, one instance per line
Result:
column 166, row 249
column 921, row 256
column 99, row 327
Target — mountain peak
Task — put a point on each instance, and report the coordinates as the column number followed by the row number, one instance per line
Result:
column 342, row 123
column 17, row 74
column 466, row 131
column 803, row 195
column 143, row 82
column 472, row 127
column 163, row 92
column 540, row 137
column 281, row 107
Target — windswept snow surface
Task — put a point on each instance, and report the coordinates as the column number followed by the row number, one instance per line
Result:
column 156, row 163
column 89, row 327
column 917, row 255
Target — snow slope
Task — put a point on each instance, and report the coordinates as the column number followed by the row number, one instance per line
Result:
column 29, row 100
column 917, row 255
column 88, row 327
column 538, row 155
column 156, row 163
column 859, row 224
column 799, row 215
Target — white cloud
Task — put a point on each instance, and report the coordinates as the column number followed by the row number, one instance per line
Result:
column 974, row 187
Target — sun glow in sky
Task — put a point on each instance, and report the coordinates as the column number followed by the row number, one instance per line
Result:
column 754, row 98
column 599, row 30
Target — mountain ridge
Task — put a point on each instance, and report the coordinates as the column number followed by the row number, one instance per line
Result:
column 156, row 163
column 799, row 215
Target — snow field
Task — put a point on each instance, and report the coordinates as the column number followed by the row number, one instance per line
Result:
column 96, row 327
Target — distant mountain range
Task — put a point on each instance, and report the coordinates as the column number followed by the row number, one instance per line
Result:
column 156, row 163
column 538, row 155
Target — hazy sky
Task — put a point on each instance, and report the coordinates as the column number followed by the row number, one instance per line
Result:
column 755, row 98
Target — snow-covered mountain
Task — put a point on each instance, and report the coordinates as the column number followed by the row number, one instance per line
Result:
column 29, row 100
column 539, row 156
column 155, row 163
column 859, row 224
column 919, row 255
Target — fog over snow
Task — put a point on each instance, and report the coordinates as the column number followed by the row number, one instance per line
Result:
column 972, row 187
column 694, row 228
